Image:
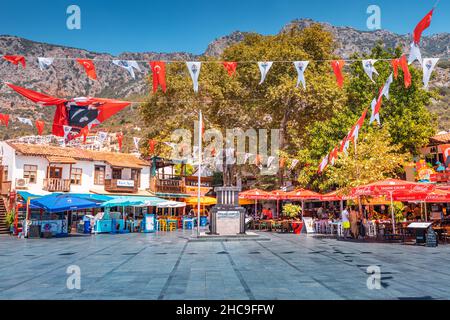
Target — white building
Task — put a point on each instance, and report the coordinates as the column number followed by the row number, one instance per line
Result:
column 38, row 168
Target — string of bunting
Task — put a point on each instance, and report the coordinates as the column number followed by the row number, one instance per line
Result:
column 428, row 65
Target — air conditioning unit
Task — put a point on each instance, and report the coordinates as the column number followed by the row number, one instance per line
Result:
column 22, row 183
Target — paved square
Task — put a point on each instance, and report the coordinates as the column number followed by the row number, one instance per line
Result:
column 168, row 266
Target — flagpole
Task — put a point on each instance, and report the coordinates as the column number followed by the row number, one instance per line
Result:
column 199, row 169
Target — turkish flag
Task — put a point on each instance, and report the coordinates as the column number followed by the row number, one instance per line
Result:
column 151, row 146
column 4, row 119
column 445, row 149
column 230, row 67
column 89, row 67
column 84, row 132
column 159, row 75
column 40, row 126
column 421, row 26
column 406, row 73
column 119, row 136
column 258, row 160
column 395, row 63
column 337, row 66
column 16, row 60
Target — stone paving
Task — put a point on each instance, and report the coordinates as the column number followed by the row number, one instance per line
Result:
column 168, row 266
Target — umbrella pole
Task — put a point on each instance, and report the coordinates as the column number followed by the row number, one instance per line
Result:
column 256, row 208
column 426, row 213
column 392, row 213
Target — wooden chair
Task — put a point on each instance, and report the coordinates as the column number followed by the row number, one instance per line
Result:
column 172, row 225
column 162, row 225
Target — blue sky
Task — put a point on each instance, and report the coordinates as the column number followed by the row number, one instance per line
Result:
column 168, row 26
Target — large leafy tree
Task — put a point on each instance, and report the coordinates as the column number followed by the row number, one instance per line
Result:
column 239, row 101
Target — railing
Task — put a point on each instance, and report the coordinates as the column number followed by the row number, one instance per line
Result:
column 167, row 185
column 55, row 184
column 119, row 185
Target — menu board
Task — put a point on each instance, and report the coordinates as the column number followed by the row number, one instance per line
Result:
column 309, row 224
column 431, row 238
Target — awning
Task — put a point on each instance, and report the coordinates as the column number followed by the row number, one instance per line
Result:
column 63, row 202
column 172, row 204
column 61, row 160
column 204, row 201
column 127, row 201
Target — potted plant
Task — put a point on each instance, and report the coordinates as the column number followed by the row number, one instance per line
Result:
column 10, row 216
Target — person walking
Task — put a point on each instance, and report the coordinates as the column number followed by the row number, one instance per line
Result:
column 345, row 222
column 353, row 217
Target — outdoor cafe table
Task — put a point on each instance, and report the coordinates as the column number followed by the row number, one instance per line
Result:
column 189, row 221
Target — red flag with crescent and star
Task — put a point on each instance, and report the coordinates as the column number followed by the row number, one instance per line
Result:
column 395, row 64
column 337, row 66
column 421, row 26
column 89, row 67
column 151, row 146
column 40, row 126
column 159, row 75
column 230, row 67
column 16, row 60
column 4, row 119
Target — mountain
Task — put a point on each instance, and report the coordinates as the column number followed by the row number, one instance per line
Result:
column 66, row 78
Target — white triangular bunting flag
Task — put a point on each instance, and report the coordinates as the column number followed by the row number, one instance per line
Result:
column 387, row 86
column 128, row 65
column 136, row 142
column 369, row 68
column 323, row 164
column 414, row 54
column 66, row 130
column 194, row 71
column 246, row 157
column 25, row 121
column 294, row 163
column 301, row 66
column 44, row 63
column 374, row 116
column 102, row 136
column 269, row 161
column 264, row 68
column 428, row 67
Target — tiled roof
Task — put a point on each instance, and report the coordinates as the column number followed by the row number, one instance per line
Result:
column 441, row 138
column 123, row 160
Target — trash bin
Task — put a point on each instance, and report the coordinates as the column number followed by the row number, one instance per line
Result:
column 87, row 226
column 297, row 227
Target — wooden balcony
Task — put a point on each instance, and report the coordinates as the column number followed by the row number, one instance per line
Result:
column 56, row 185
column 174, row 185
column 119, row 185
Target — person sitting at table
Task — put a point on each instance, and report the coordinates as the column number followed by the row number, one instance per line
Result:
column 269, row 214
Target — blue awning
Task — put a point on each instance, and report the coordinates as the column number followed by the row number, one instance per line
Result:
column 63, row 202
column 125, row 201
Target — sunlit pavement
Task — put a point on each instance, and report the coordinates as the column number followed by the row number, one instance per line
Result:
column 168, row 266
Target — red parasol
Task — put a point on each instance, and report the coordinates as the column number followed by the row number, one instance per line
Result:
column 303, row 194
column 388, row 186
column 256, row 194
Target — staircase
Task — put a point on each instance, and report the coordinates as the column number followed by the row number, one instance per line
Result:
column 3, row 227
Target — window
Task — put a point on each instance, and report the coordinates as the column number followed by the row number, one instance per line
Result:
column 117, row 173
column 75, row 176
column 99, row 175
column 5, row 173
column 30, row 173
column 54, row 172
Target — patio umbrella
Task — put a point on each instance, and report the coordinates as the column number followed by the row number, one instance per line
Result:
column 391, row 187
column 303, row 194
column 255, row 194
column 204, row 201
column 278, row 195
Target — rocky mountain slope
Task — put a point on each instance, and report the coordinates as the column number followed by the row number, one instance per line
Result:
column 66, row 78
